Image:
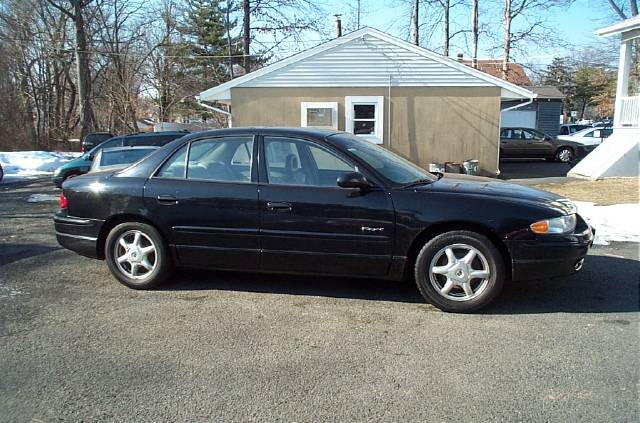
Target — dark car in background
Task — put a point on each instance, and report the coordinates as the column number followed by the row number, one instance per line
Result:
column 82, row 164
column 93, row 139
column 310, row 201
column 527, row 143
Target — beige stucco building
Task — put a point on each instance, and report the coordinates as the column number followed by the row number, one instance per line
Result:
column 428, row 108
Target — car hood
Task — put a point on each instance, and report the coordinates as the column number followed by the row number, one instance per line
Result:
column 475, row 185
column 580, row 140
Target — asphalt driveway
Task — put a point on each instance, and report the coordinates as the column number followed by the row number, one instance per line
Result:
column 76, row 345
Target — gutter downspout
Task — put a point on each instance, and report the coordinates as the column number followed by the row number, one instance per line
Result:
column 517, row 106
column 216, row 109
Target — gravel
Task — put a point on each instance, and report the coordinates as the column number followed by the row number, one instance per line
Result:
column 78, row 346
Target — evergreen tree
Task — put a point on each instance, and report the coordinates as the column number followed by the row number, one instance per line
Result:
column 561, row 75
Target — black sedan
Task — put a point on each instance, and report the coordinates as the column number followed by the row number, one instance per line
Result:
column 317, row 202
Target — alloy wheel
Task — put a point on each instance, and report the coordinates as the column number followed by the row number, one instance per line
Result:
column 459, row 272
column 135, row 254
column 565, row 155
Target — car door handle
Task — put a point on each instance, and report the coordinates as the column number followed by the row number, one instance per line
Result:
column 168, row 200
column 271, row 206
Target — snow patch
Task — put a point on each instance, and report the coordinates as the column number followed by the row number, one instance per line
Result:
column 26, row 164
column 41, row 198
column 618, row 222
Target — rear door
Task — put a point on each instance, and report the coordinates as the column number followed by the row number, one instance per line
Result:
column 205, row 197
column 511, row 143
column 311, row 225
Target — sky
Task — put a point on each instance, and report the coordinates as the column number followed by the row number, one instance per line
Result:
column 572, row 27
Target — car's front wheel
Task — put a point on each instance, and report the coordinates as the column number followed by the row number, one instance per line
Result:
column 564, row 155
column 137, row 256
column 459, row 271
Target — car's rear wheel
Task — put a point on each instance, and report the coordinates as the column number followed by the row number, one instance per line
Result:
column 137, row 256
column 564, row 155
column 459, row 271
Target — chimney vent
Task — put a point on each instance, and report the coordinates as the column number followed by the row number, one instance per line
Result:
column 338, row 26
column 460, row 57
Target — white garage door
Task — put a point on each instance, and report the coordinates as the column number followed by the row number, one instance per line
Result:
column 517, row 118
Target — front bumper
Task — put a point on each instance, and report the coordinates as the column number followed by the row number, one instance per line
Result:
column 549, row 256
column 77, row 234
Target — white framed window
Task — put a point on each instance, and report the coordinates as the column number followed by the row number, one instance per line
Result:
column 319, row 114
column 364, row 117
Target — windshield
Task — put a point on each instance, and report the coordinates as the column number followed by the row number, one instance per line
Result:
column 391, row 167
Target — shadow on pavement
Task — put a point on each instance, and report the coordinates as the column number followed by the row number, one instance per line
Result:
column 527, row 169
column 14, row 252
column 605, row 285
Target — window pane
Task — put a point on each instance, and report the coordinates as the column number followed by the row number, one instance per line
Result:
column 174, row 167
column 364, row 111
column 327, row 161
column 364, row 127
column 319, row 116
column 297, row 162
column 221, row 159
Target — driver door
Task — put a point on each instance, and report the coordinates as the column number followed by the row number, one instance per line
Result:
column 309, row 224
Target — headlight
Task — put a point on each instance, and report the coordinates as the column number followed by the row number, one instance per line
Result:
column 559, row 225
column 57, row 171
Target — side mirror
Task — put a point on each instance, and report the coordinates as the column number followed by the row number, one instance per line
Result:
column 547, row 138
column 354, row 180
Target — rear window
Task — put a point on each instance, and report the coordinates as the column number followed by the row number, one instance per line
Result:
column 111, row 158
column 96, row 138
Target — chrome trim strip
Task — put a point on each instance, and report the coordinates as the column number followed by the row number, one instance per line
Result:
column 86, row 238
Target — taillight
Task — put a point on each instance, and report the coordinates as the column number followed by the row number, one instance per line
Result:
column 62, row 201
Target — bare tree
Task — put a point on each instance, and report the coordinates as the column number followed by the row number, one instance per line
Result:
column 534, row 25
column 415, row 22
column 618, row 8
column 75, row 12
column 474, row 33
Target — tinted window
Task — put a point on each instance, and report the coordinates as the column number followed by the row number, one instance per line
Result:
column 175, row 166
column 110, row 158
column 220, row 159
column 293, row 161
column 564, row 130
column 113, row 142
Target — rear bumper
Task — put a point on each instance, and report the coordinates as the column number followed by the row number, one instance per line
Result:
column 549, row 257
column 77, row 234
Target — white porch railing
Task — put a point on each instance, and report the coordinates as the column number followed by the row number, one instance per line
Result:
column 629, row 111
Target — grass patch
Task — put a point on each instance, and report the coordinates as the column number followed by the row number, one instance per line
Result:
column 603, row 192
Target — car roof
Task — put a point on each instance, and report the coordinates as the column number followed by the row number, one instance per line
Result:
column 313, row 132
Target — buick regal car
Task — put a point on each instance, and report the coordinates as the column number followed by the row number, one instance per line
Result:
column 308, row 201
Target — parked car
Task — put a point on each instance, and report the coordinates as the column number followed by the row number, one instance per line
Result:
column 93, row 139
column 82, row 164
column 589, row 136
column 311, row 201
column 117, row 158
column 571, row 128
column 527, row 143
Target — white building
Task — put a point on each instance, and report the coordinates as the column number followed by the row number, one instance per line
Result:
column 619, row 155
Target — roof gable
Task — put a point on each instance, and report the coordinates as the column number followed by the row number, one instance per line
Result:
column 366, row 58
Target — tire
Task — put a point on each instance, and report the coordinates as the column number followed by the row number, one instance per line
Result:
column 145, row 262
column 565, row 155
column 69, row 175
column 450, row 288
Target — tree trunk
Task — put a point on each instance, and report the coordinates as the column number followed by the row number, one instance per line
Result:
column 83, row 73
column 474, row 34
column 445, row 6
column 229, row 45
column 507, row 38
column 415, row 23
column 246, row 35
column 633, row 5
